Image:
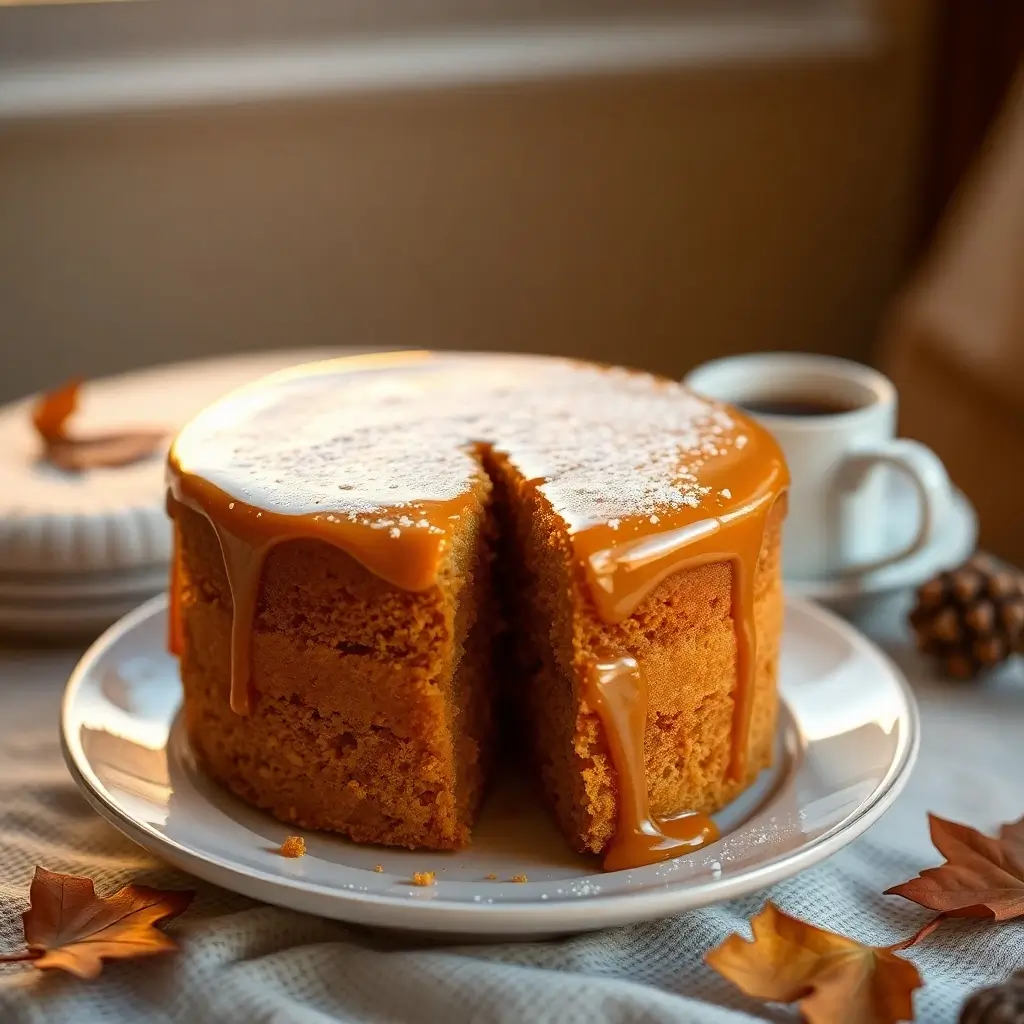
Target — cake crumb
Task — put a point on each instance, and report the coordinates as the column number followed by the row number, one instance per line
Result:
column 379, row 868
column 519, row 878
column 293, row 846
column 423, row 878
column 491, row 877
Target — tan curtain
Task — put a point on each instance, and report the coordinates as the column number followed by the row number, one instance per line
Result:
column 955, row 340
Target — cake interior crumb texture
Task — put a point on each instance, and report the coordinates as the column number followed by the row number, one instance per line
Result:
column 375, row 707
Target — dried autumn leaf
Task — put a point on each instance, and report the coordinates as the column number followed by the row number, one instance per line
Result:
column 832, row 979
column 982, row 876
column 69, row 928
column 53, row 409
column 77, row 454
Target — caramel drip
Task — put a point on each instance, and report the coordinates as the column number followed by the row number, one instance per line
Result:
column 620, row 577
column 409, row 561
column 247, row 534
column 243, row 564
column 175, row 636
column 617, row 691
column 622, row 574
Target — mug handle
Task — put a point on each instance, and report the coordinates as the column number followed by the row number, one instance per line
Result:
column 925, row 471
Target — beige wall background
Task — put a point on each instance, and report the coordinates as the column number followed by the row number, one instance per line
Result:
column 653, row 219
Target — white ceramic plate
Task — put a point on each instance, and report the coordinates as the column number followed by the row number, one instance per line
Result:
column 953, row 542
column 142, row 583
column 74, row 604
column 847, row 739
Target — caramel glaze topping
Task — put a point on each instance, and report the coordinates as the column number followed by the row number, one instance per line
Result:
column 377, row 455
column 175, row 629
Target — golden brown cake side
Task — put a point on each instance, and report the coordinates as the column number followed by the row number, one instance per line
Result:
column 684, row 639
column 372, row 705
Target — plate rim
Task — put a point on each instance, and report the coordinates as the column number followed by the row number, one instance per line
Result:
column 452, row 917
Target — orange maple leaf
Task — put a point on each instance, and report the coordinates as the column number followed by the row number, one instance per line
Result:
column 831, row 978
column 982, row 876
column 69, row 928
column 76, row 454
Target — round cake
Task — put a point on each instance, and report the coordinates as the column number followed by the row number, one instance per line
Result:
column 380, row 557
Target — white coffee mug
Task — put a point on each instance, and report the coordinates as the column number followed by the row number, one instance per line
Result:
column 837, row 430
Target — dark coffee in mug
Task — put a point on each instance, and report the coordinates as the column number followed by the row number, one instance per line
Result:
column 796, row 406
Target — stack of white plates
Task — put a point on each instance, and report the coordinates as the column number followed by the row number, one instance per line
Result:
column 78, row 551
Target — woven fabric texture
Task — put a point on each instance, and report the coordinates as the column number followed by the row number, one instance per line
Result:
column 246, row 963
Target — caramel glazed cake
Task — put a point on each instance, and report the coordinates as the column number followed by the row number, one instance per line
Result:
column 355, row 537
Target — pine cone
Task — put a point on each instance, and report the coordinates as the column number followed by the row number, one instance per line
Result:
column 971, row 618
column 1000, row 1004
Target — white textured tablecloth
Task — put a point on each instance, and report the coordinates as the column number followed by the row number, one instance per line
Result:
column 252, row 964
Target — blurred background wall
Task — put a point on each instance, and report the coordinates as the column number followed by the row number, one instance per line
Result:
column 655, row 216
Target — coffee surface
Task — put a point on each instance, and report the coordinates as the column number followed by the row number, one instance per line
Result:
column 797, row 406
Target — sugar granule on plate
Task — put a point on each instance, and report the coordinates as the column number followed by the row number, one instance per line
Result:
column 293, row 846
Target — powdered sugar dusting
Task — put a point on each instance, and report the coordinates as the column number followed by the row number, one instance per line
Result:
column 377, row 441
